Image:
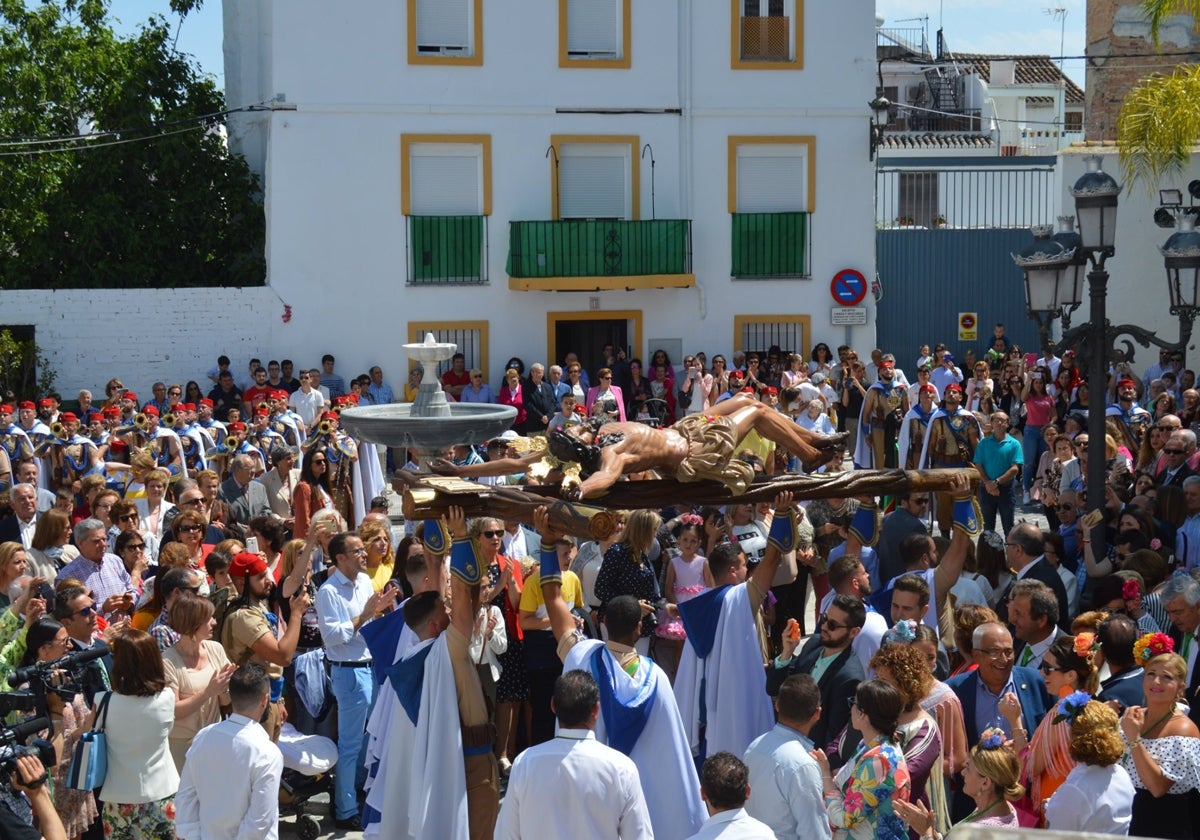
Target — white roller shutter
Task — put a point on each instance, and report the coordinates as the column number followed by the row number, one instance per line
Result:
column 771, row 179
column 445, row 184
column 593, row 28
column 593, row 186
column 444, row 24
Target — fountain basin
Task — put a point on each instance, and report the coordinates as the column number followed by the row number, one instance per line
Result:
column 395, row 425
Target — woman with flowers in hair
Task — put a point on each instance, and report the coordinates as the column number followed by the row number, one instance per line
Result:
column 1163, row 745
column 991, row 779
column 1098, row 794
column 1071, row 675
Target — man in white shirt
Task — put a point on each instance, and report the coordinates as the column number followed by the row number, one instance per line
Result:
column 345, row 602
column 574, row 786
column 22, row 524
column 230, row 782
column 786, row 780
column 725, row 785
column 307, row 402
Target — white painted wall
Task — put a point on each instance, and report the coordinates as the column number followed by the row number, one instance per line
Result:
column 336, row 247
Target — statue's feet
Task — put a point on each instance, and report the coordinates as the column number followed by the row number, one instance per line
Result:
column 827, row 449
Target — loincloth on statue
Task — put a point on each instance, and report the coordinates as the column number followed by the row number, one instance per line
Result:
column 712, row 442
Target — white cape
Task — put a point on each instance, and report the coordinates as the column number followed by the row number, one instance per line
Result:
column 662, row 753
column 430, row 799
column 739, row 709
column 366, row 480
column 380, row 726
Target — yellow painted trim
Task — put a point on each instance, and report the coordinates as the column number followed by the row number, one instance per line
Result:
column 552, row 319
column 598, row 284
column 735, row 42
column 740, row 321
column 473, row 60
column 635, row 169
column 622, row 63
column 417, row 330
column 807, row 140
column 484, row 141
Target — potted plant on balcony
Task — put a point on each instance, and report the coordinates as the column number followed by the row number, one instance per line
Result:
column 939, row 221
column 905, row 221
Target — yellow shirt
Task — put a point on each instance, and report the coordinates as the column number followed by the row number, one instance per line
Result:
column 381, row 575
column 531, row 595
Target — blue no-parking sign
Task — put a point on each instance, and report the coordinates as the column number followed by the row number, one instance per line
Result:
column 848, row 288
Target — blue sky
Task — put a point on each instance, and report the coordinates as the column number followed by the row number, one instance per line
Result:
column 984, row 26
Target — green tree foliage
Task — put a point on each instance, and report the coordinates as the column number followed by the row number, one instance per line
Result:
column 1160, row 118
column 152, row 198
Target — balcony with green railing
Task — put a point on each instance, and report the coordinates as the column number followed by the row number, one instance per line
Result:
column 770, row 246
column 597, row 254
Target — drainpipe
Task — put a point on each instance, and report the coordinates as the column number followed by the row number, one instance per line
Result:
column 687, row 179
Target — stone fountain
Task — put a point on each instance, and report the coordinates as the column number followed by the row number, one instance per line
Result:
column 431, row 422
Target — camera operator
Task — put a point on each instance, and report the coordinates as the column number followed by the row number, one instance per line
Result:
column 15, row 816
column 76, row 611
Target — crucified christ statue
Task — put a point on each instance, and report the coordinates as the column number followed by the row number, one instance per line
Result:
column 700, row 446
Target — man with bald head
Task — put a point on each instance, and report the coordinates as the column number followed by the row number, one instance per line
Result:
column 1023, row 552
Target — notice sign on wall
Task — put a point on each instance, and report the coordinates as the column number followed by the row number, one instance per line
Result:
column 968, row 326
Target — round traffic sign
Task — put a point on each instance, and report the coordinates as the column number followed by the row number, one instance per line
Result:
column 848, row 287
column 967, row 321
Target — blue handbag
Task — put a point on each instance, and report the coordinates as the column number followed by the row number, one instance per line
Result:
column 89, row 760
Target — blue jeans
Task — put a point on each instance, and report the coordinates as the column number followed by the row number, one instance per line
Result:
column 1033, row 445
column 1004, row 504
column 354, row 689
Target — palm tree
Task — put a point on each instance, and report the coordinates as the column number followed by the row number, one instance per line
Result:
column 1159, row 122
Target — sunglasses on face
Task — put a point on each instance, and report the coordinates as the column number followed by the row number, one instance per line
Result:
column 492, row 535
column 129, row 517
column 135, row 547
column 1050, row 669
column 191, row 529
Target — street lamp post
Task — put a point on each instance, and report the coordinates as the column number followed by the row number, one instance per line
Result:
column 1053, row 267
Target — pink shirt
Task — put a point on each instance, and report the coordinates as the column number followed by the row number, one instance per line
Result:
column 1039, row 410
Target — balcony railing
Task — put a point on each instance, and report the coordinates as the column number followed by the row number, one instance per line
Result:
column 447, row 250
column 910, row 119
column 599, row 248
column 770, row 245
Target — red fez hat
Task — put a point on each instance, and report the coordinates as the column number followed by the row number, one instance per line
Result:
column 280, row 395
column 261, row 412
column 239, row 426
column 246, row 563
column 736, row 374
column 953, row 386
column 188, row 406
column 749, row 389
column 27, row 404
column 150, row 410
column 67, row 417
column 118, row 445
column 206, row 401
column 1121, row 383
column 887, row 363
column 112, row 411
column 6, row 409
column 927, row 388
column 45, row 402
column 771, row 389
column 329, row 415
column 129, row 395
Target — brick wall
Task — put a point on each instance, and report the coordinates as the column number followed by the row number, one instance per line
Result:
column 1119, row 28
column 142, row 336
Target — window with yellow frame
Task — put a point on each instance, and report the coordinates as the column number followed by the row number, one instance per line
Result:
column 448, row 32
column 766, row 34
column 594, row 34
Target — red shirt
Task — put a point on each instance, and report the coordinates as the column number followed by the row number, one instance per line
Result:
column 451, row 379
column 255, row 395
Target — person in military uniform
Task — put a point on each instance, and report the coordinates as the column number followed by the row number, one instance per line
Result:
column 71, row 456
column 15, row 445
column 883, row 413
column 916, row 426
column 1135, row 420
column 953, row 435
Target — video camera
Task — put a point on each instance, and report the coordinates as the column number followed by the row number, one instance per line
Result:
column 65, row 676
column 12, row 746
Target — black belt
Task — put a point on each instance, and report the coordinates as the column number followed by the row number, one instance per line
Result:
column 366, row 664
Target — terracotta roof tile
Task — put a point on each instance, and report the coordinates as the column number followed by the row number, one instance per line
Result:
column 1031, row 70
column 939, row 140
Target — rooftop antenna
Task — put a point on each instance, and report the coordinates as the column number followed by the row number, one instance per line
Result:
column 1060, row 13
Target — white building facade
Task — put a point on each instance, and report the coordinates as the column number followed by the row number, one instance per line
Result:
column 536, row 178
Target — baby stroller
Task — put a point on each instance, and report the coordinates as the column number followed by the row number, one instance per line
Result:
column 308, row 766
column 654, row 413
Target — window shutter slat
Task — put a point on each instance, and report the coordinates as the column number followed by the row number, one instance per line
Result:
column 592, row 27
column 771, row 183
column 443, row 23
column 445, row 185
column 592, row 187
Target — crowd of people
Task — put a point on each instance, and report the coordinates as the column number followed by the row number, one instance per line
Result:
column 653, row 674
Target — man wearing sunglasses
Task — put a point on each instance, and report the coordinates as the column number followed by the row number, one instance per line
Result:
column 830, row 658
column 75, row 610
column 1175, row 454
